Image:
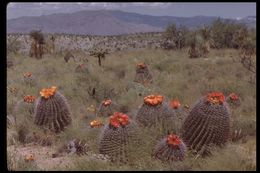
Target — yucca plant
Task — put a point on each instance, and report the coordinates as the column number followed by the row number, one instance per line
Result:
column 208, row 123
column 52, row 110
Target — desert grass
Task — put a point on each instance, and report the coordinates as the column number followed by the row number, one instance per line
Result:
column 175, row 76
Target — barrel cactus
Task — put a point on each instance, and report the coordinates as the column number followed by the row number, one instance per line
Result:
column 24, row 107
column 52, row 110
column 233, row 100
column 142, row 74
column 116, row 137
column 29, row 79
column 207, row 124
column 81, row 68
column 170, row 148
column 155, row 112
column 106, row 108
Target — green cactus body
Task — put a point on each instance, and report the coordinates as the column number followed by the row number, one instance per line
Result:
column 207, row 124
column 167, row 152
column 114, row 142
column 160, row 116
column 143, row 75
column 52, row 112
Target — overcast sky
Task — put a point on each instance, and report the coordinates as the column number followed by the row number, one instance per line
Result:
column 225, row 10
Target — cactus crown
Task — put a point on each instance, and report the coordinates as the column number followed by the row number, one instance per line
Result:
column 174, row 104
column 173, row 140
column 29, row 99
column 106, row 102
column 118, row 119
column 141, row 65
column 47, row 92
column 28, row 74
column 233, row 97
column 215, row 98
column 153, row 100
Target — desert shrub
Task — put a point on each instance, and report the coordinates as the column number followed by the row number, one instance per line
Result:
column 13, row 45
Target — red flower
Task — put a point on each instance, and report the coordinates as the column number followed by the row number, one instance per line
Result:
column 175, row 104
column 233, row 97
column 173, row 140
column 118, row 119
column 28, row 99
column 215, row 97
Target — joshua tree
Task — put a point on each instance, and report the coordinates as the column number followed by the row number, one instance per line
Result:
column 37, row 44
column 99, row 53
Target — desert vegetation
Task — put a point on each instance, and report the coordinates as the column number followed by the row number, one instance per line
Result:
column 139, row 109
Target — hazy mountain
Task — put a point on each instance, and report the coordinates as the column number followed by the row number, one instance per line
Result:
column 105, row 22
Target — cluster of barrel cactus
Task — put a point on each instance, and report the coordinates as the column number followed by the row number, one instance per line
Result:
column 207, row 123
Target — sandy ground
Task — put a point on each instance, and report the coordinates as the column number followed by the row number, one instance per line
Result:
column 42, row 156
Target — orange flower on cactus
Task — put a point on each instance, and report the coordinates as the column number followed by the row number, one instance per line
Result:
column 118, row 119
column 96, row 123
column 141, row 65
column 47, row 92
column 106, row 102
column 233, row 97
column 215, row 97
column 29, row 157
column 173, row 140
column 153, row 100
column 175, row 104
column 28, row 74
column 28, row 99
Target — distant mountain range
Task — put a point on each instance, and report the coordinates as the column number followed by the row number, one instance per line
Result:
column 108, row 22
